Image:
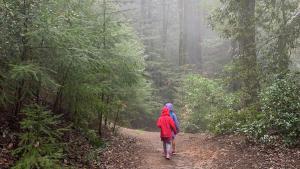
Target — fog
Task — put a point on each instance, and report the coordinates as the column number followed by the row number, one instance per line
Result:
column 170, row 28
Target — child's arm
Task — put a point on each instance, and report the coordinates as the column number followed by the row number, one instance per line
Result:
column 176, row 123
column 158, row 123
column 172, row 124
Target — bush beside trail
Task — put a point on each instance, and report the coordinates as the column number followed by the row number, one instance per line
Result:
column 274, row 117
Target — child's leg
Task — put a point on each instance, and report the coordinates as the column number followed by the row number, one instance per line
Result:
column 165, row 148
column 173, row 145
column 168, row 148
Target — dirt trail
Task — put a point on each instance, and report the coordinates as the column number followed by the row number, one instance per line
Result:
column 192, row 152
column 202, row 151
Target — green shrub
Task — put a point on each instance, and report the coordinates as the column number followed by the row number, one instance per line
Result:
column 201, row 95
column 204, row 97
column 39, row 146
column 195, row 123
column 277, row 115
column 93, row 138
column 281, row 105
column 228, row 120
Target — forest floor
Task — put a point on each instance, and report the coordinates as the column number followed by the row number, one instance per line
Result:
column 204, row 151
column 137, row 149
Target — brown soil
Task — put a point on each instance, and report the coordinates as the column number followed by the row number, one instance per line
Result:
column 203, row 151
column 136, row 149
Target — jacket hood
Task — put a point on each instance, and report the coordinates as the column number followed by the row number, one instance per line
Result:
column 165, row 111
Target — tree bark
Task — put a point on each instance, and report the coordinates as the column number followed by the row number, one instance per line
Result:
column 288, row 34
column 164, row 32
column 182, row 33
column 142, row 16
column 247, row 51
column 281, row 54
column 116, row 119
column 107, row 111
column 190, row 51
column 23, row 57
column 100, row 117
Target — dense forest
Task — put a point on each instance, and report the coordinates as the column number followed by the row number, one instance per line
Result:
column 74, row 70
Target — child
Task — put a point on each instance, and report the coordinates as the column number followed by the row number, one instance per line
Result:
column 174, row 117
column 166, row 125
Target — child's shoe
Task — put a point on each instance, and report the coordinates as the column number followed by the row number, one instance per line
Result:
column 168, row 156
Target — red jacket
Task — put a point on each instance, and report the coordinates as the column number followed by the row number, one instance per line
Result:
column 166, row 124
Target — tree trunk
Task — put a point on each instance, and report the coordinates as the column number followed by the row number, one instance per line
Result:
column 18, row 103
column 192, row 33
column 23, row 57
column 107, row 111
column 233, row 54
column 247, row 50
column 100, row 117
column 289, row 32
column 116, row 120
column 58, row 99
column 164, row 32
column 182, row 33
column 104, row 24
column 142, row 16
column 190, row 51
column 199, row 20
